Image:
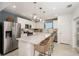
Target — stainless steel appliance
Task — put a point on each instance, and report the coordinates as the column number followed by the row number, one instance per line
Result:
column 8, row 33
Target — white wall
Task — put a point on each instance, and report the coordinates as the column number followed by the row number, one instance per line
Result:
column 55, row 23
column 4, row 5
column 25, row 21
column 76, row 13
column 65, row 29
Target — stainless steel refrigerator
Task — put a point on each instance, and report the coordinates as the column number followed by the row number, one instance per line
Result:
column 9, row 31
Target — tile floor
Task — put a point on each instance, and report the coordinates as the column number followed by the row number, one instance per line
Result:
column 64, row 50
column 59, row 50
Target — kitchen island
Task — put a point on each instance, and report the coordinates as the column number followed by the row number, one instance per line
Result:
column 26, row 43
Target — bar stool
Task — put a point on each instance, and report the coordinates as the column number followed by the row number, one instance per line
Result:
column 52, row 39
column 44, row 46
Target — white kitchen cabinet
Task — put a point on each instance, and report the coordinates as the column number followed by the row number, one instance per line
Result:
column 25, row 21
column 40, row 25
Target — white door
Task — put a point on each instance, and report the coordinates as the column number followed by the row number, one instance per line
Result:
column 64, row 29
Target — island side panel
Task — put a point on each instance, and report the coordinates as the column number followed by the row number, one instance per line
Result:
column 25, row 48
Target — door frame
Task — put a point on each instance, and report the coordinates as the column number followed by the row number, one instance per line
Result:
column 74, row 39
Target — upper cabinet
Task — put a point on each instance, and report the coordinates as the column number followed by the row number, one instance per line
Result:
column 40, row 25
column 23, row 22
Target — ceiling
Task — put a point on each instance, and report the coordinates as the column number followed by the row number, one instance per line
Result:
column 3, row 5
column 43, row 10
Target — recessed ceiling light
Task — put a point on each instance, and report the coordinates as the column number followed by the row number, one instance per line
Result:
column 14, row 6
column 44, row 12
column 40, row 19
column 35, row 17
column 54, row 8
column 70, row 5
column 40, row 8
column 34, row 2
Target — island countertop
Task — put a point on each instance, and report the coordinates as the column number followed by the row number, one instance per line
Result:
column 34, row 39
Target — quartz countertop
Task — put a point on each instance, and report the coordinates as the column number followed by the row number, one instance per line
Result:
column 35, row 38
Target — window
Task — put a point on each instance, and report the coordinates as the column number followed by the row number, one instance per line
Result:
column 48, row 25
